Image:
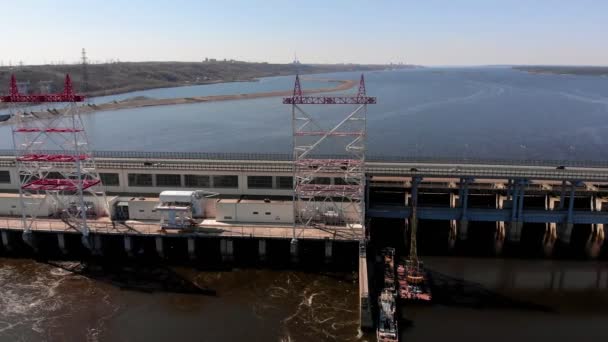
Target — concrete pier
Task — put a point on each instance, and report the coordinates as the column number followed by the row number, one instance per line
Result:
column 549, row 238
column 192, row 248
column 294, row 251
column 453, row 232
column 595, row 241
column 128, row 245
column 97, row 245
column 140, row 238
column 61, row 243
column 160, row 250
column 499, row 237
column 227, row 250
column 6, row 240
column 565, row 232
column 365, row 310
column 463, row 202
column 452, row 235
column 463, row 230
column 262, row 249
column 329, row 244
column 514, row 229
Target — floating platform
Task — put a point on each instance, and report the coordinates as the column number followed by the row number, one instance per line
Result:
column 389, row 268
column 388, row 330
column 413, row 281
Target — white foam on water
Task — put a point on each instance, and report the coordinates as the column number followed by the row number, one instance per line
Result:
column 586, row 99
column 31, row 298
column 60, row 272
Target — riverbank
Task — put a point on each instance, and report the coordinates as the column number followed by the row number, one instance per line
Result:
column 123, row 77
column 565, row 70
column 149, row 102
column 140, row 102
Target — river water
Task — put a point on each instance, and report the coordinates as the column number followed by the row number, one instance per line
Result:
column 475, row 299
column 455, row 112
column 65, row 301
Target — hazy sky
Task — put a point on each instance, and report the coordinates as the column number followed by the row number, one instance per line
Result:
column 427, row 32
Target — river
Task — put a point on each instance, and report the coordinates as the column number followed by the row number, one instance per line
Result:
column 64, row 301
column 454, row 112
column 474, row 299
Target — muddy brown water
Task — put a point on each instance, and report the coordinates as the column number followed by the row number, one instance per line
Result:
column 475, row 299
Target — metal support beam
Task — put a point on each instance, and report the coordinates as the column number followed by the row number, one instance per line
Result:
column 367, row 182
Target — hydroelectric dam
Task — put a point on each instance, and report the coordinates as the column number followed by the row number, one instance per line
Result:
column 58, row 197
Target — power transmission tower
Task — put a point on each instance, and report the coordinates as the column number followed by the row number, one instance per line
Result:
column 54, row 161
column 319, row 202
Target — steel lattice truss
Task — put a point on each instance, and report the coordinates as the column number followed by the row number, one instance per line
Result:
column 329, row 192
column 65, row 181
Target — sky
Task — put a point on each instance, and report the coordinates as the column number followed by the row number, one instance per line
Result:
column 423, row 32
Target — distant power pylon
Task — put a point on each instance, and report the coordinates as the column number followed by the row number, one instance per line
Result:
column 45, row 87
column 85, row 72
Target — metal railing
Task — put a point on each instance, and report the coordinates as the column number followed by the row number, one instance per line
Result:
column 49, row 225
column 496, row 173
column 436, row 167
column 370, row 158
column 238, row 231
column 180, row 155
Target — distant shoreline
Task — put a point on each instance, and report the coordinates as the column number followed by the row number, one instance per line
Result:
column 141, row 102
column 123, row 77
column 564, row 70
column 148, row 102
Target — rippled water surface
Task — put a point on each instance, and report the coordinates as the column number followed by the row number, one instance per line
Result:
column 58, row 302
column 455, row 112
column 474, row 299
column 473, row 112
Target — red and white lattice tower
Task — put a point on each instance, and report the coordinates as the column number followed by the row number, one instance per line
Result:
column 329, row 160
column 54, row 160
